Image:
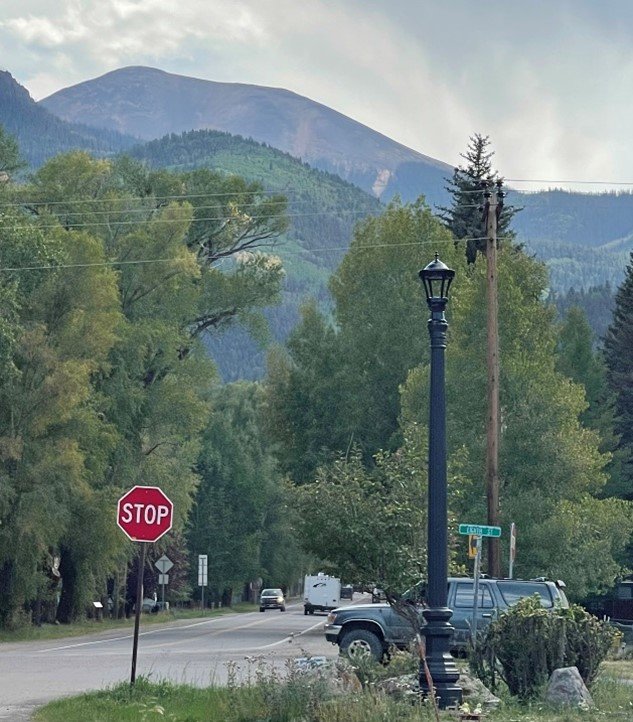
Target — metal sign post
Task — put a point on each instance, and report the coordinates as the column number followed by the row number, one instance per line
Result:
column 163, row 579
column 473, row 626
column 164, row 564
column 202, row 575
column 139, row 604
column 513, row 547
column 477, row 531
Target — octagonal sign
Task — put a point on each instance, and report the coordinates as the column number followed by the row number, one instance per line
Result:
column 144, row 513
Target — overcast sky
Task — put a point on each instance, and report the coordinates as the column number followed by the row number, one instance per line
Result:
column 550, row 81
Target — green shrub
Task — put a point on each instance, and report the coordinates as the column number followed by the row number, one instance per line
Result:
column 527, row 643
column 589, row 641
column 397, row 664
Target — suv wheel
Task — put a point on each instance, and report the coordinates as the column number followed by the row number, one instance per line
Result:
column 361, row 643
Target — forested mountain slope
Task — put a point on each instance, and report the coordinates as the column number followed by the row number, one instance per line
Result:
column 584, row 238
column 322, row 209
column 42, row 135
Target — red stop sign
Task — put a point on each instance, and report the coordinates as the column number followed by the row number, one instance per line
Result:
column 144, row 513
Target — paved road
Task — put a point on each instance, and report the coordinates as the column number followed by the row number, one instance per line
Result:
column 194, row 651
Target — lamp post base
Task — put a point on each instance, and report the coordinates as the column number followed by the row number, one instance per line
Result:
column 438, row 633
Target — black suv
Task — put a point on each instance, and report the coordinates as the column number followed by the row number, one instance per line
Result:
column 370, row 629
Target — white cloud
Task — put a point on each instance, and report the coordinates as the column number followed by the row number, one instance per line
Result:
column 41, row 30
column 548, row 80
column 105, row 34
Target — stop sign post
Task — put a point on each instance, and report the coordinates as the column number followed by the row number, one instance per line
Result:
column 145, row 514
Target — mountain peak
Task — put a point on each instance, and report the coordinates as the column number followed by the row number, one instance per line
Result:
column 149, row 103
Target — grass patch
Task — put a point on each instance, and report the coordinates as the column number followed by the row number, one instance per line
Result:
column 91, row 626
column 618, row 668
column 302, row 699
column 147, row 701
column 263, row 702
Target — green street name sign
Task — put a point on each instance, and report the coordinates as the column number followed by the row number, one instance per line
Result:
column 480, row 530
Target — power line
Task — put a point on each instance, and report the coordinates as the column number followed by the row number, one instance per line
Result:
column 289, row 251
column 91, row 265
column 569, row 182
column 148, row 210
column 121, row 199
column 272, row 193
column 93, row 224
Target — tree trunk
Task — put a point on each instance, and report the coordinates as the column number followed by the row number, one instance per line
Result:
column 7, row 601
column 67, row 609
column 227, row 597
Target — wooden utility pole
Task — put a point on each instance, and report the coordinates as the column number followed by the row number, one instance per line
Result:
column 492, row 208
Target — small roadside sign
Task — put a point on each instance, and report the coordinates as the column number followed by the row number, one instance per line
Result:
column 203, row 566
column 164, row 564
column 472, row 546
column 478, row 530
column 202, row 570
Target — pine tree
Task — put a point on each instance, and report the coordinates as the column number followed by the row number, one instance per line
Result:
column 577, row 360
column 618, row 352
column 10, row 159
column 464, row 218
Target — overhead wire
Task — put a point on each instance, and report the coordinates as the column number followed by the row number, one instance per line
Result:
column 53, row 267
column 140, row 201
column 569, row 182
column 146, row 209
column 178, row 196
column 272, row 193
column 143, row 207
column 97, row 224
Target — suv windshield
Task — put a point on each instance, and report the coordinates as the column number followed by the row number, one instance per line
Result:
column 272, row 593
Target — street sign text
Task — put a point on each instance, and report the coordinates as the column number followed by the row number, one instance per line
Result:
column 479, row 530
column 145, row 513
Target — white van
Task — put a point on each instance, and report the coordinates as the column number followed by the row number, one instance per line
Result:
column 321, row 593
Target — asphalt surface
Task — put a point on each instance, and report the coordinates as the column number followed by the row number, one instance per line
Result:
column 199, row 652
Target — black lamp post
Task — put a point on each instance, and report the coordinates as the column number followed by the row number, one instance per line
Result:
column 437, row 278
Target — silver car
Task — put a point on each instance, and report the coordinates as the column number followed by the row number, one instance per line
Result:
column 272, row 599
